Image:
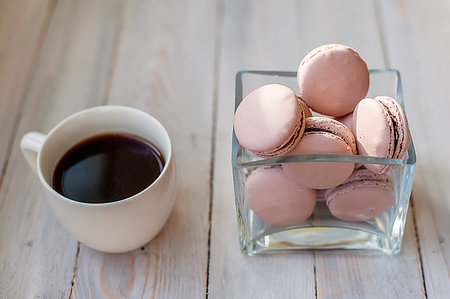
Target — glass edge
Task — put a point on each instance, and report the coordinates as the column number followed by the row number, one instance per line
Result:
column 294, row 73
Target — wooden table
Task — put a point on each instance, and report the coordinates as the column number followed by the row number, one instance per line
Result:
column 177, row 60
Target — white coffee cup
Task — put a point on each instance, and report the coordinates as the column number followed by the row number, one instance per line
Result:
column 118, row 226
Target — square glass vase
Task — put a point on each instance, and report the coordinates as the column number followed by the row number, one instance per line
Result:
column 321, row 230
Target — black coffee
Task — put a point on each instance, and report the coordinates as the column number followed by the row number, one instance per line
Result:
column 107, row 168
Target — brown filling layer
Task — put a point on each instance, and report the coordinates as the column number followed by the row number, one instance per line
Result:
column 369, row 180
column 318, row 130
column 395, row 122
column 312, row 130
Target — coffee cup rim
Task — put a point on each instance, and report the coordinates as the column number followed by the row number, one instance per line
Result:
column 168, row 159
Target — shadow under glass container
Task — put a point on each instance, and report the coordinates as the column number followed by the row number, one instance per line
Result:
column 321, row 230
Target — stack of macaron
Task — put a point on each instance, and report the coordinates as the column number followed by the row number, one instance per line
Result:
column 273, row 121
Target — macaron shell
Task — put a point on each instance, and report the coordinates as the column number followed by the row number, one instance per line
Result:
column 319, row 175
column 332, row 79
column 333, row 126
column 362, row 203
column 363, row 196
column 401, row 127
column 346, row 120
column 269, row 121
column 276, row 200
column 373, row 131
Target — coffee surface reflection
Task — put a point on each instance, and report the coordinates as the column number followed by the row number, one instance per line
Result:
column 107, row 168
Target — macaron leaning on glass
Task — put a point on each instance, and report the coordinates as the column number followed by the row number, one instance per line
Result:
column 269, row 121
column 332, row 79
column 363, row 196
column 381, row 130
column 322, row 136
column 277, row 200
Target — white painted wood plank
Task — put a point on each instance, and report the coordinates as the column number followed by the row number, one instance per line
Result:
column 274, row 36
column 22, row 25
column 37, row 256
column 165, row 66
column 418, row 42
column 359, row 275
column 255, row 35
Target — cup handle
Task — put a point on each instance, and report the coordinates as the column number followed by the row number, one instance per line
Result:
column 30, row 146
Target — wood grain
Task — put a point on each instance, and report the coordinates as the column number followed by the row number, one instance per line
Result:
column 270, row 36
column 22, row 26
column 350, row 275
column 165, row 66
column 417, row 42
column 37, row 255
column 178, row 62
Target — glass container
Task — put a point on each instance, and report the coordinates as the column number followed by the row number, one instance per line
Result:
column 321, row 230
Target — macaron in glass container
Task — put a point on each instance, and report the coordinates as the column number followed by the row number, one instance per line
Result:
column 330, row 223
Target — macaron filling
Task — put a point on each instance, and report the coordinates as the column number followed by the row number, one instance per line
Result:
column 323, row 132
column 333, row 127
column 361, row 181
column 393, row 129
column 392, row 111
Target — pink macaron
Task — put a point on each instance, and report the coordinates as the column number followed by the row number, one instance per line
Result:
column 322, row 136
column 269, row 121
column 381, row 130
column 363, row 196
column 332, row 79
column 275, row 199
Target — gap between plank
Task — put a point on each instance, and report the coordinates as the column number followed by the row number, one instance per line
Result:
column 315, row 274
column 115, row 52
column 216, row 70
column 75, row 266
column 418, row 247
column 381, row 33
column 38, row 47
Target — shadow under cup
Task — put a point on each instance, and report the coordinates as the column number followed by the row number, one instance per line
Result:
column 321, row 230
column 121, row 225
